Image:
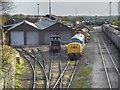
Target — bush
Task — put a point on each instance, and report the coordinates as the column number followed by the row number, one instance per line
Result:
column 116, row 22
column 8, row 56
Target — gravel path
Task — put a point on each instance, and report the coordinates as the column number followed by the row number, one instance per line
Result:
column 98, row 74
column 91, row 57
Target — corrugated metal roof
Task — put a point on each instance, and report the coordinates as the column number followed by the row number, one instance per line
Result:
column 85, row 29
column 45, row 23
column 32, row 24
column 25, row 21
column 8, row 25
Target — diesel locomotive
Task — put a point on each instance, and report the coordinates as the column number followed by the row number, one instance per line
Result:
column 55, row 44
column 75, row 46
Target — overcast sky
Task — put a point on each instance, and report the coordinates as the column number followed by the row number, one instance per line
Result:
column 65, row 8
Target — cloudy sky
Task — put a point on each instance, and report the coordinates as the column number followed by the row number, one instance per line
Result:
column 65, row 7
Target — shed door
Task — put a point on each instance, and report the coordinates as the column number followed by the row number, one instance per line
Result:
column 32, row 38
column 47, row 37
column 65, row 36
column 17, row 38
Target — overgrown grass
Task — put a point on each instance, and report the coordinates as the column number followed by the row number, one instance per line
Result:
column 91, row 37
column 17, row 83
column 19, row 68
column 85, row 71
column 8, row 63
column 83, row 81
column 8, row 56
column 18, row 71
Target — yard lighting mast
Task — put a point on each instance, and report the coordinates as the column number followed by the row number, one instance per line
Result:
column 110, row 10
column 38, row 10
column 50, row 8
column 76, row 12
column 89, row 14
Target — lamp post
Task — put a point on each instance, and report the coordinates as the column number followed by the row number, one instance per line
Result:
column 38, row 10
column 76, row 12
column 50, row 8
column 110, row 11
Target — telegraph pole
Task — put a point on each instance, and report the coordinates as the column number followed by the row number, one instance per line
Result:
column 38, row 10
column 110, row 11
column 89, row 15
column 76, row 12
column 50, row 8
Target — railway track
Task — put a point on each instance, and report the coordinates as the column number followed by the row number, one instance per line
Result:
column 67, row 72
column 32, row 67
column 111, row 70
column 42, row 66
column 54, row 70
column 37, row 61
column 50, row 69
column 55, row 67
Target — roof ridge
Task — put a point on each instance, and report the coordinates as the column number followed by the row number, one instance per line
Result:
column 24, row 21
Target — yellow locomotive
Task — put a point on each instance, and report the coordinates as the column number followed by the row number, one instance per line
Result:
column 75, row 46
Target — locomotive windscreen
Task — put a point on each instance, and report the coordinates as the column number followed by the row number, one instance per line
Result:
column 75, row 40
column 55, row 43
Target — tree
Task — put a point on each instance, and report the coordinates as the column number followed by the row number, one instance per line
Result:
column 79, row 18
column 5, row 6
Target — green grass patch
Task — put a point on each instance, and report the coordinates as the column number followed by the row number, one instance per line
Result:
column 91, row 37
column 19, row 67
column 79, row 83
column 54, row 74
column 40, row 82
column 17, row 83
column 83, row 78
column 18, row 71
column 85, row 71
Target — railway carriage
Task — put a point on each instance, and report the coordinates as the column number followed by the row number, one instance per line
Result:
column 75, row 46
column 55, row 45
column 119, row 41
column 115, row 37
column 113, row 34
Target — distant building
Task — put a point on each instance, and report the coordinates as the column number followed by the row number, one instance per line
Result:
column 51, row 27
column 23, row 33
column 28, row 33
column 11, row 22
column 53, row 17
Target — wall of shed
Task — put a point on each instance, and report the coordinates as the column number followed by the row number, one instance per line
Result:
column 57, row 32
column 25, row 28
column 41, row 37
column 57, row 29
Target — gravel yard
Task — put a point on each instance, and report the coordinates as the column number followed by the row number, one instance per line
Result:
column 90, row 72
column 95, row 77
column 98, row 73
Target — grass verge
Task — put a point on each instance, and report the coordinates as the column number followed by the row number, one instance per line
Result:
column 83, row 80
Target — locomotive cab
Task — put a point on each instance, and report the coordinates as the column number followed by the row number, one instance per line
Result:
column 55, row 45
column 75, row 46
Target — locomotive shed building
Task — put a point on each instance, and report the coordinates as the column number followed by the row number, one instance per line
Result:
column 28, row 33
column 23, row 33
